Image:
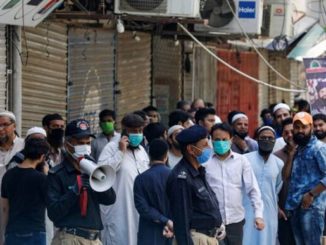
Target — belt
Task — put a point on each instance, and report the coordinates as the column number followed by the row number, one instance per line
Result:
column 87, row 234
column 208, row 232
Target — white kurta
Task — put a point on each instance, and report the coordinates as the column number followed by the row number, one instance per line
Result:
column 120, row 220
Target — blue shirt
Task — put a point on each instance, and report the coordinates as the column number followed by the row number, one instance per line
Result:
column 152, row 205
column 309, row 170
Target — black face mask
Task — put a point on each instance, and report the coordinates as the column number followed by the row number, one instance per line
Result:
column 320, row 134
column 266, row 146
column 241, row 135
column 301, row 139
column 55, row 137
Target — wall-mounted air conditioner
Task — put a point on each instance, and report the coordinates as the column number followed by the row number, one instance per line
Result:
column 169, row 8
column 222, row 20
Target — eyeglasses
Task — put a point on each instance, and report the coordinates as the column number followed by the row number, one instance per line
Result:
column 267, row 138
column 4, row 126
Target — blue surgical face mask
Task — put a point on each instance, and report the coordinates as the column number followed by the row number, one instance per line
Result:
column 205, row 155
column 221, row 146
column 135, row 139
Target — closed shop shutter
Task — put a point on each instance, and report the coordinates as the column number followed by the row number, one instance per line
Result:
column 91, row 73
column 3, row 68
column 133, row 64
column 167, row 65
column 44, row 73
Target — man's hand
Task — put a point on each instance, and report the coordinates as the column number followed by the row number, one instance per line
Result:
column 168, row 229
column 220, row 232
column 123, row 143
column 240, row 143
column 281, row 214
column 307, row 200
column 259, row 223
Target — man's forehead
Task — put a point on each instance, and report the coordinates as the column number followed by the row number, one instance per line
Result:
column 5, row 119
column 281, row 112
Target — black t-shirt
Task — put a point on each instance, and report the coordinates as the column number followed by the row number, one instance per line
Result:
column 25, row 189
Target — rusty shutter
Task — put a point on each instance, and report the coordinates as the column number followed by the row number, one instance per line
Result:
column 234, row 92
column 133, row 64
column 167, row 65
column 44, row 72
column 91, row 73
column 3, row 68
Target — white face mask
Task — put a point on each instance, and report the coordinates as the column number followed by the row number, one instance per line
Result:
column 82, row 150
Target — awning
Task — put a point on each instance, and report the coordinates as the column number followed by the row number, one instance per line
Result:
column 312, row 45
column 26, row 13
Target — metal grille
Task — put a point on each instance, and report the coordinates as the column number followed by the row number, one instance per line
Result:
column 155, row 6
column 3, row 67
column 91, row 73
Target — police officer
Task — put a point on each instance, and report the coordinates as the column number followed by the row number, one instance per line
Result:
column 72, row 205
column 194, row 207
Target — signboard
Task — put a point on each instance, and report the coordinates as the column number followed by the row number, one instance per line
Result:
column 26, row 12
column 316, row 82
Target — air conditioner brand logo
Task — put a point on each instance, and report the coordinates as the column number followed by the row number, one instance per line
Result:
column 247, row 10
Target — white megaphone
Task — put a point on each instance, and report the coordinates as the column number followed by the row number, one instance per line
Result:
column 101, row 177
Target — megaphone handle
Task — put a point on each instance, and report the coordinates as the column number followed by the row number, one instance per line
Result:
column 83, row 197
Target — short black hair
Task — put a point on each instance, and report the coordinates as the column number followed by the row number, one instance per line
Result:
column 287, row 121
column 178, row 116
column 149, row 108
column 202, row 113
column 35, row 148
column 224, row 127
column 154, row 131
column 158, row 149
column 132, row 120
column 142, row 114
column 209, row 104
column 106, row 113
column 303, row 105
column 182, row 103
column 50, row 117
column 319, row 116
column 264, row 112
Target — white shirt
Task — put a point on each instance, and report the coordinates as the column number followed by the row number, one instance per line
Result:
column 229, row 179
column 121, row 219
column 279, row 144
column 173, row 159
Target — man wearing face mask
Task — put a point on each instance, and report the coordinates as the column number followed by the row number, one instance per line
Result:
column 174, row 153
column 268, row 171
column 54, row 126
column 72, row 205
column 320, row 127
column 107, row 125
column 231, row 177
column 241, row 142
column 195, row 209
column 306, row 199
column 129, row 159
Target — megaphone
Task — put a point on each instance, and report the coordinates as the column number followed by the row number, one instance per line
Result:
column 101, row 177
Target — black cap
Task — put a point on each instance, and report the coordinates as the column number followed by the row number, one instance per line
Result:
column 78, row 129
column 192, row 135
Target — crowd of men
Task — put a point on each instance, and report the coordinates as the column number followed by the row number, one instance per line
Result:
column 198, row 181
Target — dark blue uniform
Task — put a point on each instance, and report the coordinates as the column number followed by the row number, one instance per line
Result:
column 193, row 203
column 152, row 205
column 63, row 204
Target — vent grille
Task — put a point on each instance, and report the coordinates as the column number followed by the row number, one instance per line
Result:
column 155, row 6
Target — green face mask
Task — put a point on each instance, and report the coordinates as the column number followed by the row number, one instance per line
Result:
column 107, row 127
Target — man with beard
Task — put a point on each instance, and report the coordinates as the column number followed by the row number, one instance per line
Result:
column 268, row 171
column 54, row 126
column 319, row 106
column 320, row 126
column 281, row 111
column 306, row 199
column 174, row 153
column 241, row 142
column 285, row 233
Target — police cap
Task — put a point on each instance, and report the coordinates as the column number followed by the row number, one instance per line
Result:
column 191, row 135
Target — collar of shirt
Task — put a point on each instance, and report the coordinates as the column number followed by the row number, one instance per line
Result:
column 230, row 156
column 193, row 171
column 68, row 165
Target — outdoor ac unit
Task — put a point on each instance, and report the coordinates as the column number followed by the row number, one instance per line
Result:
column 168, row 8
column 249, row 13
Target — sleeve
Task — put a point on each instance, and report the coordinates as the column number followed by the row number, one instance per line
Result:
column 107, row 197
column 142, row 206
column 4, row 191
column 252, row 188
column 321, row 161
column 111, row 155
column 181, row 206
column 58, row 203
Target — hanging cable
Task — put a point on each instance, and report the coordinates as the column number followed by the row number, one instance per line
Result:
column 253, row 45
column 235, row 69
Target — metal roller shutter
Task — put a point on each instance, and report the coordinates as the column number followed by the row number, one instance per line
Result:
column 91, row 73
column 44, row 73
column 133, row 72
column 3, row 68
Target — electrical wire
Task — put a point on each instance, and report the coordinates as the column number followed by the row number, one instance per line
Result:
column 253, row 45
column 235, row 69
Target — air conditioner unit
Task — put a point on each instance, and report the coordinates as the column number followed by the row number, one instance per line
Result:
column 222, row 20
column 168, row 8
